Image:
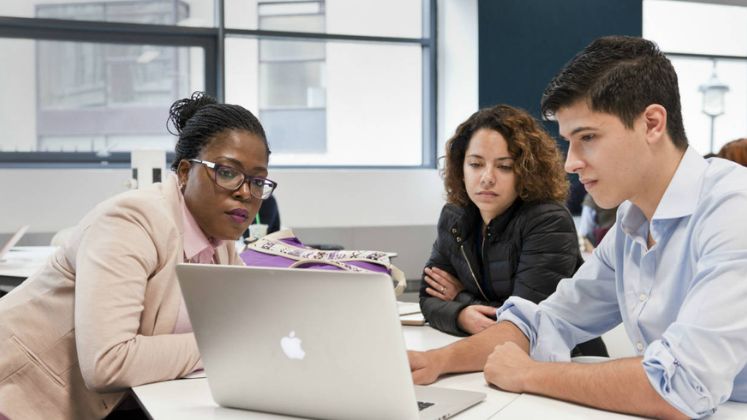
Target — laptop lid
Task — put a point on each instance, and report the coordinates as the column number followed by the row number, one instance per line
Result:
column 312, row 343
column 10, row 243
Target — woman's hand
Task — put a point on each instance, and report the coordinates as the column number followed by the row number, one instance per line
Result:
column 475, row 318
column 442, row 284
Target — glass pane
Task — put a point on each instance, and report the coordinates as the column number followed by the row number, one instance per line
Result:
column 389, row 18
column 360, row 105
column 302, row 23
column 75, row 96
column 161, row 12
column 696, row 28
column 692, row 73
column 275, row 50
column 307, row 134
column 291, row 85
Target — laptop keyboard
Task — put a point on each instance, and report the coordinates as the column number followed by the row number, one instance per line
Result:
column 422, row 405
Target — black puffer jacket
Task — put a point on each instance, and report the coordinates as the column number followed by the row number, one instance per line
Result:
column 528, row 249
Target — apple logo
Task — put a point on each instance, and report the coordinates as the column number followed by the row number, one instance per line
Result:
column 291, row 346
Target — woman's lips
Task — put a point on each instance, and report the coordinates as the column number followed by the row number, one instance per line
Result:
column 238, row 215
column 487, row 194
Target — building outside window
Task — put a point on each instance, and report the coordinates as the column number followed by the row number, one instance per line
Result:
column 332, row 85
column 291, row 78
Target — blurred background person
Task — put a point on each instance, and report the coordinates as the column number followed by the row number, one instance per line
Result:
column 735, row 150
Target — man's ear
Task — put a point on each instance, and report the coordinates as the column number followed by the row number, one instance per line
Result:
column 655, row 118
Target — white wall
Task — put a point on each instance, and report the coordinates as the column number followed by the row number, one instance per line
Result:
column 51, row 199
column 704, row 29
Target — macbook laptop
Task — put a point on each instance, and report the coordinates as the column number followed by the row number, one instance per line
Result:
column 310, row 343
column 10, row 243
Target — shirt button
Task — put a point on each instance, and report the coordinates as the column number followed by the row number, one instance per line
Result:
column 642, row 297
column 453, row 230
column 639, row 346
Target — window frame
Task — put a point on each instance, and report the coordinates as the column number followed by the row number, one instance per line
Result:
column 212, row 41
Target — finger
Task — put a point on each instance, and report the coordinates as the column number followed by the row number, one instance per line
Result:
column 433, row 292
column 433, row 272
column 420, row 377
column 415, row 359
column 485, row 310
column 443, row 277
column 437, row 275
column 486, row 323
column 447, row 276
column 441, row 287
column 432, row 283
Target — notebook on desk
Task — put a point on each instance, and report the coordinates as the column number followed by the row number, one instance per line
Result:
column 409, row 313
column 10, row 243
column 322, row 344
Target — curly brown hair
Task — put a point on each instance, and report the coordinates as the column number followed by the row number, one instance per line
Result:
column 537, row 161
column 735, row 150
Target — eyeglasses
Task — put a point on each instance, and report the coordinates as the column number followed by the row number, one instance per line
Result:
column 232, row 179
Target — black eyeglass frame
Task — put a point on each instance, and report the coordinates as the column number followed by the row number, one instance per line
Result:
column 248, row 179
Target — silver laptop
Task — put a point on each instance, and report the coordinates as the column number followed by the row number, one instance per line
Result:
column 310, row 343
column 10, row 243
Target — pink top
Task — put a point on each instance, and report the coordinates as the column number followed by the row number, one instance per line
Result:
column 197, row 249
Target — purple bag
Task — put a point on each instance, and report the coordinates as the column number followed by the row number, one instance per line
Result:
column 283, row 250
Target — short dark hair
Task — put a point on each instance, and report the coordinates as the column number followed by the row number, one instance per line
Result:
column 537, row 162
column 619, row 75
column 199, row 118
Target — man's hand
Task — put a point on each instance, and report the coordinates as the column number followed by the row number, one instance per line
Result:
column 475, row 318
column 425, row 367
column 508, row 366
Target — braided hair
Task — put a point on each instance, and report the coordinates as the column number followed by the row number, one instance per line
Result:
column 199, row 118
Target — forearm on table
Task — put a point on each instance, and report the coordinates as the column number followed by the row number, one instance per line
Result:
column 619, row 385
column 143, row 359
column 470, row 354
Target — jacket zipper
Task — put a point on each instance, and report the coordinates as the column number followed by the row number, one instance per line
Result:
column 461, row 247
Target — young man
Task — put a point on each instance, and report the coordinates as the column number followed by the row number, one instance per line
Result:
column 673, row 269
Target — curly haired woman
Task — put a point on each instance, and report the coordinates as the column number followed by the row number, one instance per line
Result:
column 504, row 231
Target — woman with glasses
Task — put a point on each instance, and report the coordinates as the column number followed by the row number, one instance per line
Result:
column 106, row 313
column 504, row 230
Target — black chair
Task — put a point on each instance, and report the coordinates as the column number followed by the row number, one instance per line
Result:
column 268, row 215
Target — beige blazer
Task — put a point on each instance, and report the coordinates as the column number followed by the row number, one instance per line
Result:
column 97, row 318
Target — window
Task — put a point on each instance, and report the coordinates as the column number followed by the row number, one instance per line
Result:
column 332, row 85
column 703, row 40
column 291, row 78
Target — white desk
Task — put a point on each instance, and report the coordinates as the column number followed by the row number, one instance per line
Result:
column 190, row 398
column 21, row 262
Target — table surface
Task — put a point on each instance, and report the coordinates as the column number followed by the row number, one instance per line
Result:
column 20, row 263
column 23, row 261
column 191, row 398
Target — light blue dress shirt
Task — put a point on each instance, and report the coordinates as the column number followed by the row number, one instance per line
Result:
column 683, row 302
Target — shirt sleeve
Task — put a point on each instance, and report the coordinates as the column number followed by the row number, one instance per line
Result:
column 115, row 260
column 695, row 363
column 582, row 308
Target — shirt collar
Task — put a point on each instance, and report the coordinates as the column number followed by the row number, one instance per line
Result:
column 679, row 197
column 195, row 241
